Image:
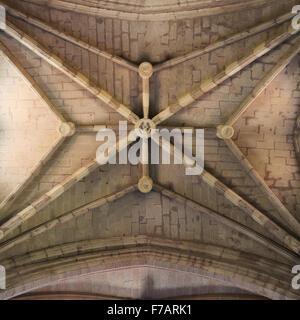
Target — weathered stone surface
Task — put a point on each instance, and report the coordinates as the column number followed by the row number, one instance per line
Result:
column 264, row 134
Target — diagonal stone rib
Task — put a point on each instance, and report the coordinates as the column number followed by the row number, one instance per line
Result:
column 73, row 74
column 46, row 27
column 65, row 218
column 231, row 70
column 227, row 221
column 35, row 207
column 240, row 36
column 264, row 83
column 30, row 81
column 46, row 199
column 10, row 199
column 284, row 212
column 269, row 225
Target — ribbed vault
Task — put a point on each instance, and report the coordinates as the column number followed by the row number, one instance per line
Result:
column 231, row 71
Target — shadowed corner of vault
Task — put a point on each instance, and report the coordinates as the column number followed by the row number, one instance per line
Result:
column 28, row 129
column 153, row 286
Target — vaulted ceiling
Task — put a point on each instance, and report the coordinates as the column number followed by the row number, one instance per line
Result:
column 69, row 68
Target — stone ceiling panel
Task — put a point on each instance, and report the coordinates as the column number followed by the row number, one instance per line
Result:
column 27, row 128
column 80, row 66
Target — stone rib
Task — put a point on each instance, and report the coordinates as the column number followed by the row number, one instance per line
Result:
column 46, row 27
column 145, row 73
column 76, row 76
column 46, row 199
column 146, row 97
column 270, row 226
column 284, row 212
column 84, row 257
column 231, row 70
column 53, row 194
column 264, row 83
column 145, row 157
column 10, row 199
column 31, row 82
column 226, row 221
column 145, row 183
column 65, row 218
column 240, row 36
